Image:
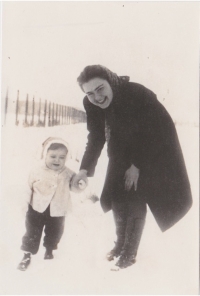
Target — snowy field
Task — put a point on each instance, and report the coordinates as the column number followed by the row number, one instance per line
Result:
column 167, row 263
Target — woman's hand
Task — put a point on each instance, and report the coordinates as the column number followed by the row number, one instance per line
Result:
column 131, row 177
column 79, row 181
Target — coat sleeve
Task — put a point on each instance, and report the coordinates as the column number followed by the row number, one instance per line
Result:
column 96, row 137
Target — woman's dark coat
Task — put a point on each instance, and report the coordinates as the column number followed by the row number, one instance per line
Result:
column 143, row 134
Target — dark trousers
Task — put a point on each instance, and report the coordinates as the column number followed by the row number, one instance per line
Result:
column 35, row 222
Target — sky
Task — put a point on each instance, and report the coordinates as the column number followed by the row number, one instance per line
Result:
column 47, row 44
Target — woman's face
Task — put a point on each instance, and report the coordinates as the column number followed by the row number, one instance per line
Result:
column 99, row 92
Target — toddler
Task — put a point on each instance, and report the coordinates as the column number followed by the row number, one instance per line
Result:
column 50, row 185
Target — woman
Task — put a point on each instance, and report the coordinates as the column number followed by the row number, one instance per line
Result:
column 146, row 165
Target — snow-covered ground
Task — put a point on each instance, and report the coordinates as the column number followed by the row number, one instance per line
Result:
column 167, row 263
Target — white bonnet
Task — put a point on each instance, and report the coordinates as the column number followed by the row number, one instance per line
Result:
column 52, row 140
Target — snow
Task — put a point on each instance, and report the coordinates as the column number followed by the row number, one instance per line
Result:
column 167, row 263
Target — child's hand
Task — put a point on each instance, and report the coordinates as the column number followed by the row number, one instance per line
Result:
column 79, row 181
column 82, row 184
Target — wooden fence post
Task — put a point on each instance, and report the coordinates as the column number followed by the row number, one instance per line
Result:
column 6, row 107
column 49, row 115
column 17, row 109
column 53, row 121
column 65, row 113
column 74, row 115
column 59, row 114
column 33, row 111
column 39, row 111
column 45, row 112
column 56, row 114
column 68, row 113
column 26, row 112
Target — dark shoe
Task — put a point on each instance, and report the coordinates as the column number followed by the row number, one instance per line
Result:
column 125, row 261
column 23, row 265
column 48, row 254
column 134, row 231
column 115, row 252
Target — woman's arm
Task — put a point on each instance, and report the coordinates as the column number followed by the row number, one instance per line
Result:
column 96, row 137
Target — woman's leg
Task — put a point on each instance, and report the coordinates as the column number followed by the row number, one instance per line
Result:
column 135, row 224
column 120, row 218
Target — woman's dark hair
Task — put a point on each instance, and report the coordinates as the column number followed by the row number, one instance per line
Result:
column 98, row 71
column 56, row 146
column 91, row 72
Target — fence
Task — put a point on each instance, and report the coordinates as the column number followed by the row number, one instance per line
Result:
column 41, row 114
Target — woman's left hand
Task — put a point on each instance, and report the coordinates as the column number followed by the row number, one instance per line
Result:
column 131, row 177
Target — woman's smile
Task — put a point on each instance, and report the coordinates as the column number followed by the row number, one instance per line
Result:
column 99, row 92
column 102, row 101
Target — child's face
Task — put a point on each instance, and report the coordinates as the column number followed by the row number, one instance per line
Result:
column 55, row 159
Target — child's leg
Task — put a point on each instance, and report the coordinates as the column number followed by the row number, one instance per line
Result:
column 34, row 226
column 54, row 228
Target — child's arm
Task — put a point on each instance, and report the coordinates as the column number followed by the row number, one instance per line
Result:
column 27, row 192
column 31, row 180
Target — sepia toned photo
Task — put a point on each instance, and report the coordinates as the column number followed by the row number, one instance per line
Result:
column 99, row 148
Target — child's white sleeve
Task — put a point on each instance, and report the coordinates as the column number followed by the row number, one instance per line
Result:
column 27, row 194
column 31, row 180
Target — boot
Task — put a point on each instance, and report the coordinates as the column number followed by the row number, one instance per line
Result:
column 26, row 260
column 120, row 218
column 48, row 254
column 133, row 235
